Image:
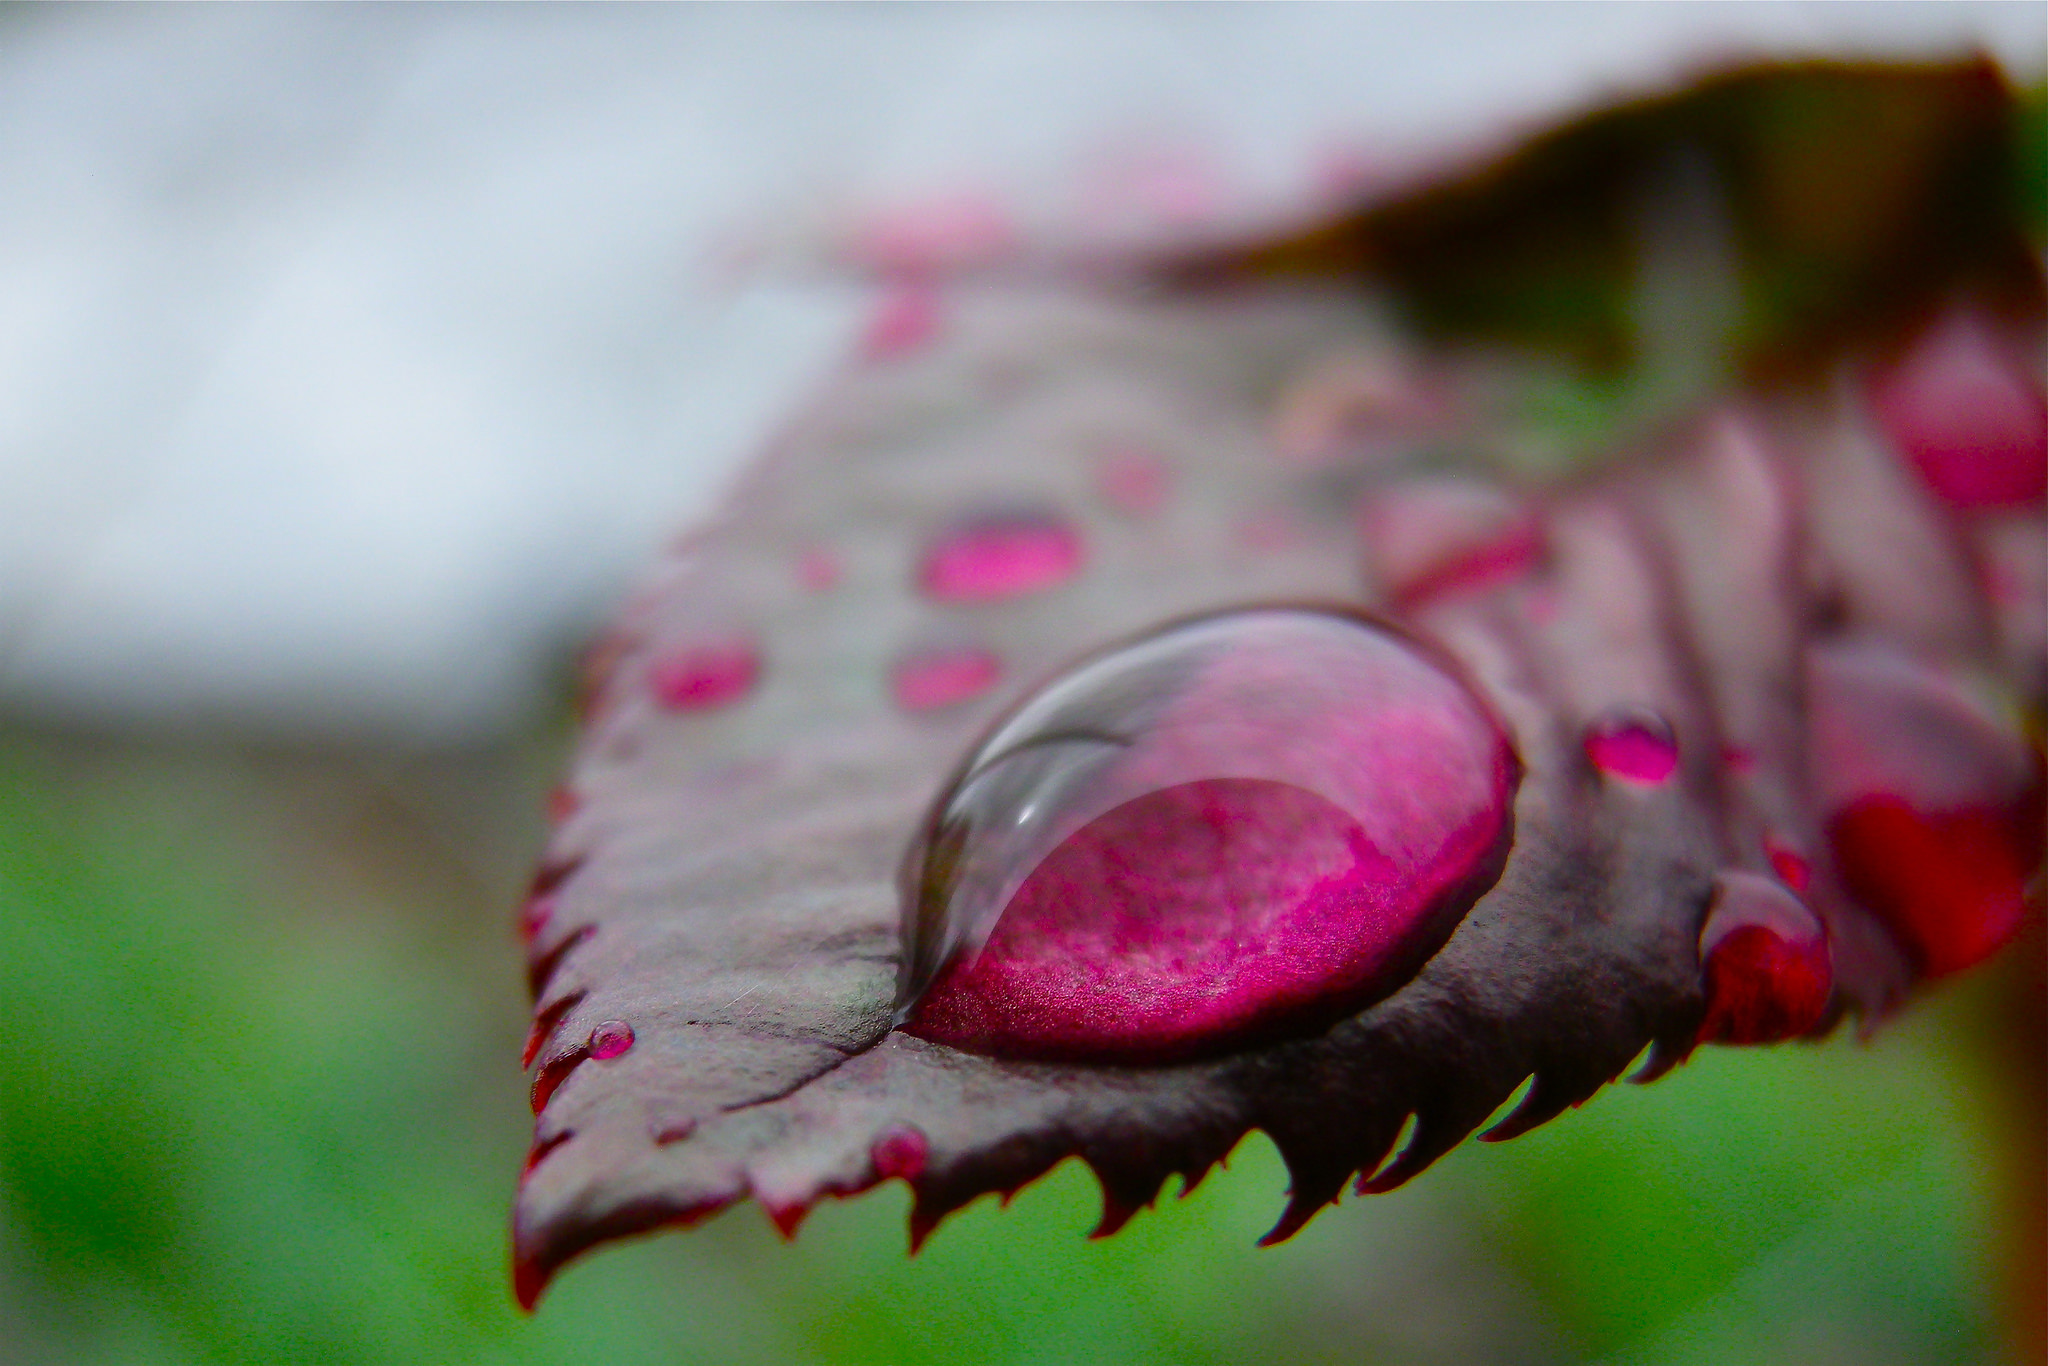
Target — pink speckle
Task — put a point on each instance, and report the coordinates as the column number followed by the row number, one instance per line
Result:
column 942, row 676
column 610, row 1039
column 907, row 319
column 818, row 569
column 562, row 803
column 1245, row 862
column 1738, row 759
column 900, row 1151
column 1000, row 557
column 1433, row 538
column 1635, row 746
column 704, row 676
column 1789, row 864
column 1133, row 480
column 1969, row 413
column 951, row 233
column 534, row 916
column 1767, row 970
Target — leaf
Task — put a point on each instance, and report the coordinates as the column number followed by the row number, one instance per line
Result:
column 715, row 936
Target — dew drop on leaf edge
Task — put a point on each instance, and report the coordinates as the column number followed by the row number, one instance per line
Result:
column 1238, row 827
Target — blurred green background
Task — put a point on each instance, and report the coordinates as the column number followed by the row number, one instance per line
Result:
column 260, row 1102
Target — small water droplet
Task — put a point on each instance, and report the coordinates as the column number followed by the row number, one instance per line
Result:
column 1633, row 745
column 1239, row 826
column 610, row 1039
column 941, row 676
column 1767, row 971
column 1002, row 556
column 900, row 1151
column 906, row 320
column 705, row 675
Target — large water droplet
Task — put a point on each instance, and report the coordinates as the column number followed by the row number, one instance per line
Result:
column 1237, row 827
column 1003, row 556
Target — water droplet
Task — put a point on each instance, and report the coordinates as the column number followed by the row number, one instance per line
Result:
column 942, row 676
column 1634, row 745
column 900, row 1151
column 1003, row 556
column 1968, row 413
column 1133, row 480
column 610, row 1039
column 818, row 569
column 1239, row 826
column 907, row 319
column 706, row 675
column 1789, row 864
column 1764, row 957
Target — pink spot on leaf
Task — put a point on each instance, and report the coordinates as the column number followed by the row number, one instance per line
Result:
column 818, row 569
column 1969, row 413
column 1635, row 746
column 706, row 675
column 906, row 320
column 1789, row 864
column 942, row 676
column 951, row 233
column 1951, row 884
column 1000, row 557
column 1133, row 480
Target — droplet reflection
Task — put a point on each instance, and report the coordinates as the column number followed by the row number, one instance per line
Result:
column 1241, row 825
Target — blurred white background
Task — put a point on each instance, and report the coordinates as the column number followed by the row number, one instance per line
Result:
column 351, row 358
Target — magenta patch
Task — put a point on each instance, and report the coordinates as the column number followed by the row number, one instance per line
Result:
column 705, row 676
column 1000, row 557
column 941, row 677
column 906, row 321
column 1636, row 748
column 1250, row 825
